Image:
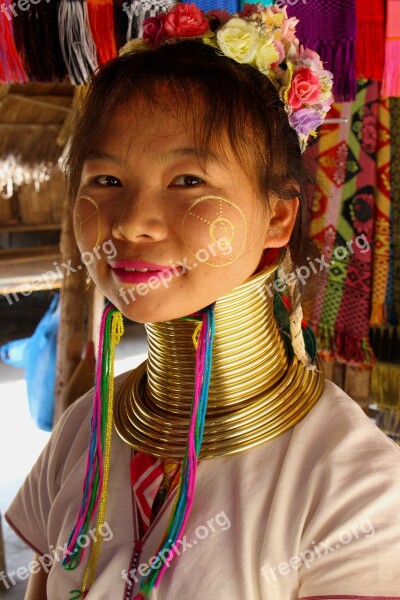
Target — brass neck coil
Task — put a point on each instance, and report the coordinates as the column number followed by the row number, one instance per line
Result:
column 256, row 391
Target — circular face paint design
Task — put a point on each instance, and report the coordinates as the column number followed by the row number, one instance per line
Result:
column 214, row 230
column 86, row 222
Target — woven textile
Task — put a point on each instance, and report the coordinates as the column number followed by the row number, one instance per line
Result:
column 329, row 28
column 381, row 249
column 343, row 226
column 370, row 26
column 393, row 297
column 391, row 73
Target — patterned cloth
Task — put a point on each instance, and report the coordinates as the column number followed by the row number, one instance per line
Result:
column 342, row 214
column 381, row 250
column 329, row 28
column 151, row 480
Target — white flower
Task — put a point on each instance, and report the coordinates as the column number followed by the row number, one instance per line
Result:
column 238, row 39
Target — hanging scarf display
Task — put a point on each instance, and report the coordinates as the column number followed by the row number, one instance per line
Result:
column 77, row 44
column 342, row 225
column 395, row 213
column 11, row 68
column 37, row 41
column 329, row 28
column 370, row 26
column 391, row 73
column 381, row 247
column 101, row 20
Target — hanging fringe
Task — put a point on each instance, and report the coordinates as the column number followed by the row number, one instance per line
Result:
column 203, row 341
column 77, row 44
column 336, row 345
column 101, row 20
column 370, row 56
column 338, row 57
column 34, row 30
column 98, row 458
column 391, row 72
column 11, row 68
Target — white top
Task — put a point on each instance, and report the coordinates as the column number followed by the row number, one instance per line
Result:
column 314, row 513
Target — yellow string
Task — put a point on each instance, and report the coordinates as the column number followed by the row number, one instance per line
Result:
column 196, row 334
column 117, row 329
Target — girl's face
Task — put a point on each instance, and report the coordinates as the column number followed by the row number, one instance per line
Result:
column 146, row 194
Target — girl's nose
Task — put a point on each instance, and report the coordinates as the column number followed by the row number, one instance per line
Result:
column 140, row 218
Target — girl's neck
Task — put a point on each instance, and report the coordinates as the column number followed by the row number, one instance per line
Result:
column 248, row 355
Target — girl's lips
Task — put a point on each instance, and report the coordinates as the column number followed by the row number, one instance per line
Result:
column 143, row 277
column 126, row 271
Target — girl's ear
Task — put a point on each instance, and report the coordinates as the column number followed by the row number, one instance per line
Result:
column 281, row 223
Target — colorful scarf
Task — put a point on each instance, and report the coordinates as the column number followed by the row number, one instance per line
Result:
column 381, row 250
column 370, row 26
column 394, row 293
column 329, row 28
column 342, row 225
column 391, row 72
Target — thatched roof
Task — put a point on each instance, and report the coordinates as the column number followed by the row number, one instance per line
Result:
column 33, row 117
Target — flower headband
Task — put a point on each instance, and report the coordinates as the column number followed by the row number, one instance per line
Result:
column 261, row 37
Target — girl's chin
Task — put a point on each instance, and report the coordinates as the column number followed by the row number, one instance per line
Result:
column 143, row 311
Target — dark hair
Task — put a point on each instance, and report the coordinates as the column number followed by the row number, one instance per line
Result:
column 233, row 98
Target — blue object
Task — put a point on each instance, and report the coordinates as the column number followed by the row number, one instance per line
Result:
column 37, row 355
column 230, row 5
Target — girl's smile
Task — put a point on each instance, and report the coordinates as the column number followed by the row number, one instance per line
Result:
column 165, row 203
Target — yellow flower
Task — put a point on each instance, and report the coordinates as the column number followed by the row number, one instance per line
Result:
column 238, row 39
column 272, row 19
column 266, row 54
column 133, row 46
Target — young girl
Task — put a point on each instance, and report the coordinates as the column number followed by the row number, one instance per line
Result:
column 225, row 466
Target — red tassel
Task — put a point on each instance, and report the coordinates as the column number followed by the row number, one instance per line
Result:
column 101, row 20
column 11, row 69
column 370, row 56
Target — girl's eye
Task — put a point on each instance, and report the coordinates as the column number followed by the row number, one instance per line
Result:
column 106, row 181
column 187, row 180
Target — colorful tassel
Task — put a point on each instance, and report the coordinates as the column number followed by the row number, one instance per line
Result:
column 11, row 68
column 98, row 459
column 77, row 44
column 203, row 341
column 101, row 20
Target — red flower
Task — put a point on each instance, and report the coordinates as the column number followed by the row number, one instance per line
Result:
column 153, row 29
column 222, row 15
column 305, row 88
column 248, row 9
column 185, row 20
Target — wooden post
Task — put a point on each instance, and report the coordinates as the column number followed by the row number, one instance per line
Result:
column 71, row 330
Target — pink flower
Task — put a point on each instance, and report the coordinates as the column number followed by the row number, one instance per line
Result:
column 153, row 29
column 281, row 51
column 305, row 88
column 185, row 20
column 289, row 29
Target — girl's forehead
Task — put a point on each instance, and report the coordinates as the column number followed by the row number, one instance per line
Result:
column 165, row 122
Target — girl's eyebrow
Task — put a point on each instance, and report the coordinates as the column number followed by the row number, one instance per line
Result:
column 96, row 155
